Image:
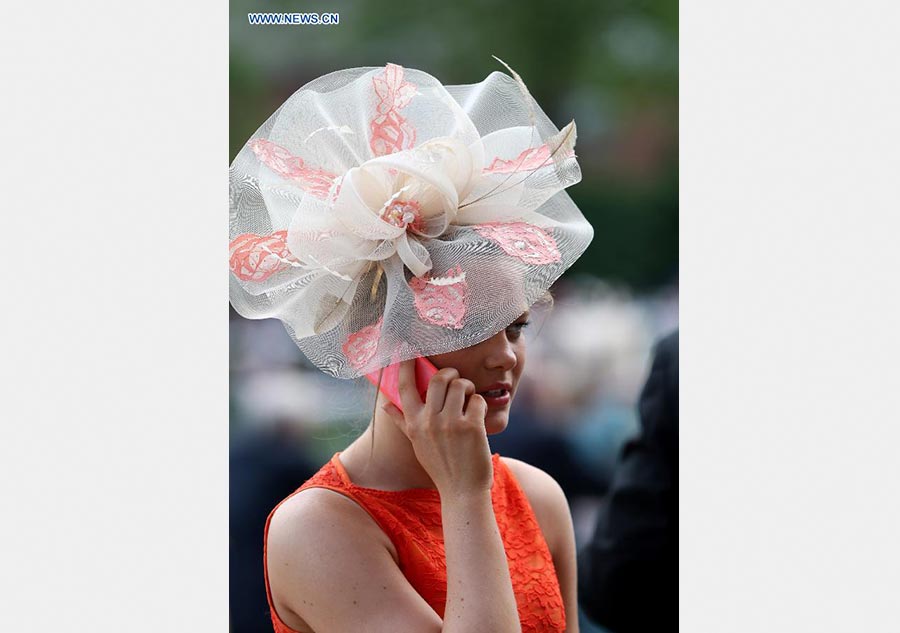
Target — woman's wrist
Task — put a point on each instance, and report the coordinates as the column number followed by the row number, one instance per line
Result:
column 467, row 497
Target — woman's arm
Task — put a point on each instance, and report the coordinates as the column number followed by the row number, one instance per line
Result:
column 330, row 564
column 479, row 588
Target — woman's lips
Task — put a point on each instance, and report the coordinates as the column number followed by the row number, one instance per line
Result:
column 496, row 397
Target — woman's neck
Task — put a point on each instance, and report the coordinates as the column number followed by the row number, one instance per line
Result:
column 391, row 464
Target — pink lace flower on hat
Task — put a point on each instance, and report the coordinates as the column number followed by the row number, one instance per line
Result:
column 317, row 182
column 390, row 131
column 441, row 300
column 528, row 242
column 255, row 257
column 360, row 347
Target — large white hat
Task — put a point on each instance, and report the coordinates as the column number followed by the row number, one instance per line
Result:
column 382, row 216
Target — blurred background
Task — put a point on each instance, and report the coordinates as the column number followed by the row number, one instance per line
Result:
column 612, row 67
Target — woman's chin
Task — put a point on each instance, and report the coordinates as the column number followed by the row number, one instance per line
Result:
column 496, row 422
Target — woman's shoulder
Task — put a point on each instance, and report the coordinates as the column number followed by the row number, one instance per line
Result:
column 314, row 513
column 546, row 497
column 323, row 512
column 322, row 550
column 532, row 479
column 311, row 504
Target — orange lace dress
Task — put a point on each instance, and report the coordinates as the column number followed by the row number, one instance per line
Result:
column 412, row 520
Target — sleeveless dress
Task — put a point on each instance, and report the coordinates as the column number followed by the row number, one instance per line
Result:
column 412, row 520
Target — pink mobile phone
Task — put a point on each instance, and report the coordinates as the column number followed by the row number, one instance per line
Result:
column 390, row 380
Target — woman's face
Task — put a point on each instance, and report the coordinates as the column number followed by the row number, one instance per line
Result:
column 495, row 366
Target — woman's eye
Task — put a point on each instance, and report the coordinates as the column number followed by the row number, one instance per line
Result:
column 516, row 328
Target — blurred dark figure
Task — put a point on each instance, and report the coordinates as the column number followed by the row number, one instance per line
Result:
column 265, row 466
column 628, row 573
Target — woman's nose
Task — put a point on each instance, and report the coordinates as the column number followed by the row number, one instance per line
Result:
column 500, row 352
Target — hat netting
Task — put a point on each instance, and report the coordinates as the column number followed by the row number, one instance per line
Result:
column 382, row 216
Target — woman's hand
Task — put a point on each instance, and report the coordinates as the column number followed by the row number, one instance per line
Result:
column 446, row 431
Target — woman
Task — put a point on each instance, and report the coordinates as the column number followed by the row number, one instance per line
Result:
column 430, row 230
column 332, row 568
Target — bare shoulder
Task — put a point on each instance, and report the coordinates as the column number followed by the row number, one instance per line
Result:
column 312, row 504
column 332, row 568
column 546, row 496
column 534, row 481
column 316, row 512
column 320, row 516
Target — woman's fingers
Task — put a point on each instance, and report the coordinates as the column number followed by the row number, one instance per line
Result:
column 477, row 408
column 457, row 393
column 437, row 389
column 396, row 416
column 446, row 432
column 406, row 385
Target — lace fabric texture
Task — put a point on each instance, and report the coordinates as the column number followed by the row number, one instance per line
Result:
column 377, row 202
column 412, row 520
